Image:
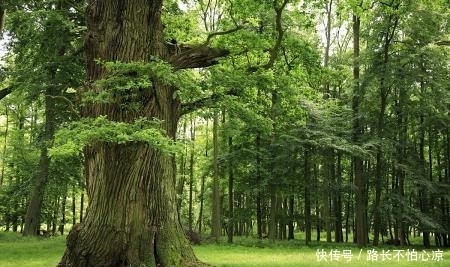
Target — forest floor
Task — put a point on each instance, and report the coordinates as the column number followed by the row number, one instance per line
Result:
column 18, row 251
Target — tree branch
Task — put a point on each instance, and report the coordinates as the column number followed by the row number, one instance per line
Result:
column 443, row 42
column 4, row 92
column 280, row 33
column 187, row 57
column 214, row 34
column 279, row 28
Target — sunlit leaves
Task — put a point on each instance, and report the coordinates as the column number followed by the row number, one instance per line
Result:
column 88, row 131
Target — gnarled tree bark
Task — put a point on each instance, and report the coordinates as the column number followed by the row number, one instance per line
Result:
column 132, row 215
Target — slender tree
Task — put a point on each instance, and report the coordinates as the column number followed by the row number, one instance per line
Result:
column 358, row 130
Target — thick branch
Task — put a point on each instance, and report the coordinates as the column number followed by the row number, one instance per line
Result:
column 5, row 92
column 186, row 57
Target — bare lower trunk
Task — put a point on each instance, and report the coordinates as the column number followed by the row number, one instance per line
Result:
column 139, row 225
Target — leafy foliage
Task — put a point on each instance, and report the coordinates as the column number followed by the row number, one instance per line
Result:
column 71, row 139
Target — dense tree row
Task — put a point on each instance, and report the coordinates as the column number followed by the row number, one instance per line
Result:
column 328, row 116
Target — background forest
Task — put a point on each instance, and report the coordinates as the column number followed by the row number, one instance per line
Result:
column 329, row 119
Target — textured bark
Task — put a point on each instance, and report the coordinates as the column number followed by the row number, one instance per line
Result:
column 358, row 163
column 132, row 217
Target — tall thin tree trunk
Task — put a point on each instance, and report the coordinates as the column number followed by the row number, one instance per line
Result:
column 216, row 207
column 55, row 48
column 32, row 220
column 291, row 218
column 202, row 182
column 338, row 201
column 349, row 208
column 275, row 199
column 326, row 58
column 423, row 193
column 11, row 220
column 202, row 200
column 329, row 192
column 272, row 235
column 259, row 219
column 82, row 207
column 54, row 219
column 74, row 207
column 5, row 140
column 388, row 36
column 63, row 214
column 231, row 221
column 191, row 174
column 319, row 212
column 358, row 163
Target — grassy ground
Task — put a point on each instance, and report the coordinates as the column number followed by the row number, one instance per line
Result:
column 16, row 251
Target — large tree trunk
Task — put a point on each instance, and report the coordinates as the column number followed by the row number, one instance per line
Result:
column 132, row 216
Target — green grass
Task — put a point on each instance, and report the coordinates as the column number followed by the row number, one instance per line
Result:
column 239, row 256
column 17, row 251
